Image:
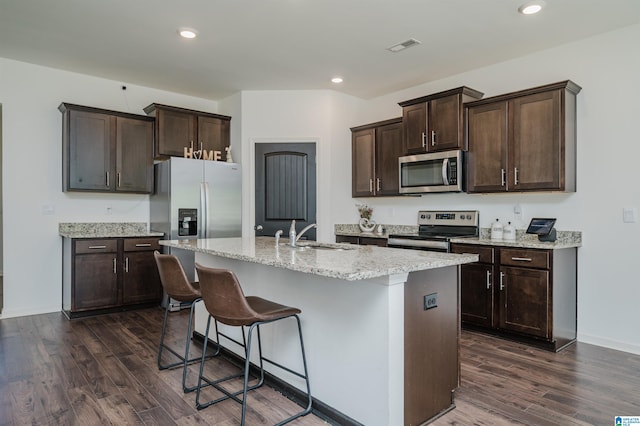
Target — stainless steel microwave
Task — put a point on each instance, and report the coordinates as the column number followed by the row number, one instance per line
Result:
column 431, row 172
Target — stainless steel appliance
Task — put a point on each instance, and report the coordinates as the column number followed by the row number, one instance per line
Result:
column 195, row 199
column 436, row 228
column 431, row 172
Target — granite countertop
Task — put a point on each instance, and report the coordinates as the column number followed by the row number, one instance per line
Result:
column 105, row 230
column 350, row 263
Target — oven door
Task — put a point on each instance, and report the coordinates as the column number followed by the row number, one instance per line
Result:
column 433, row 172
column 440, row 245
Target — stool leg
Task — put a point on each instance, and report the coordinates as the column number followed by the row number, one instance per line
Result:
column 247, row 364
column 204, row 351
column 186, row 389
column 164, row 327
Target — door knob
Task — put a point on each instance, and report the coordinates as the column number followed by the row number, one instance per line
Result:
column 258, row 228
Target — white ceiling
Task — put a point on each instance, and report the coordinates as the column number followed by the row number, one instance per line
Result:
column 291, row 44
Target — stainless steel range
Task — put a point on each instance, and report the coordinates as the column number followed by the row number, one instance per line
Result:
column 436, row 228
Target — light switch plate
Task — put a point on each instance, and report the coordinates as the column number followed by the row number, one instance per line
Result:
column 629, row 215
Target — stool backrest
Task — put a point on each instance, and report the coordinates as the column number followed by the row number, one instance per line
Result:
column 173, row 279
column 223, row 297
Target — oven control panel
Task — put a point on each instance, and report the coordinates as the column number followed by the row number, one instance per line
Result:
column 448, row 217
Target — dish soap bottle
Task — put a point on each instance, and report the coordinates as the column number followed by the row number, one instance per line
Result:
column 292, row 234
column 496, row 230
column 509, row 232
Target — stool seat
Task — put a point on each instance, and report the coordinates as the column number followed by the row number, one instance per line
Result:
column 226, row 303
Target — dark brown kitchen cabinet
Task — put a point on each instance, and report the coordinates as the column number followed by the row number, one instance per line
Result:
column 103, row 275
column 525, row 294
column 523, row 141
column 436, row 122
column 375, row 151
column 180, row 128
column 106, row 151
column 363, row 241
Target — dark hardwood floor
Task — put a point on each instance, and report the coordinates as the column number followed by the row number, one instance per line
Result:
column 102, row 370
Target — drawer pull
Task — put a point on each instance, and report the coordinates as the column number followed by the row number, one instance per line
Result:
column 522, row 259
column 143, row 245
column 97, row 247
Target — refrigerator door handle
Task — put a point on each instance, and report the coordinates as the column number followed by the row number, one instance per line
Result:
column 202, row 232
column 206, row 209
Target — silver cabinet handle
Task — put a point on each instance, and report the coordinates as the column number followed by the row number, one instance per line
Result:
column 515, row 175
column 378, row 184
column 143, row 245
column 126, row 264
column 433, row 138
column 107, row 181
column 118, row 175
column 504, row 176
column 115, row 266
column 501, row 284
column 488, row 280
column 371, row 185
column 97, row 247
column 424, row 140
column 522, row 259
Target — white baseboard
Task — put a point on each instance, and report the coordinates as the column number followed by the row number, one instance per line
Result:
column 608, row 343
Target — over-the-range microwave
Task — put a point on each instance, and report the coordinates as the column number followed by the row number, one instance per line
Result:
column 431, row 172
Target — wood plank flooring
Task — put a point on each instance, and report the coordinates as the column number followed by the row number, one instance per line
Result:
column 102, row 370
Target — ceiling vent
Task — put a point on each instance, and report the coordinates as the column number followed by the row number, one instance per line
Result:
column 404, row 45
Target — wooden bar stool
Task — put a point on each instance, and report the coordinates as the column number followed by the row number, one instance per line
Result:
column 225, row 301
column 177, row 286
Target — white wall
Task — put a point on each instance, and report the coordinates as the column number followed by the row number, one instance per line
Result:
column 32, row 175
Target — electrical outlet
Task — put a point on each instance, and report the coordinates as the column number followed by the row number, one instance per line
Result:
column 48, row 209
column 431, row 301
column 629, row 215
column 107, row 210
column 517, row 212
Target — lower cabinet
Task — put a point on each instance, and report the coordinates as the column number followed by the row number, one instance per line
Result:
column 526, row 294
column 109, row 274
column 363, row 241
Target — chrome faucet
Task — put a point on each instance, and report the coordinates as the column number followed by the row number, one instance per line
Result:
column 293, row 238
column 278, row 233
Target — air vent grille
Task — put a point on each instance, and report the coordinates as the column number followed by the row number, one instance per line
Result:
column 404, row 45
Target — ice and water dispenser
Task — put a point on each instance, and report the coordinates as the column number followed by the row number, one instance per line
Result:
column 187, row 222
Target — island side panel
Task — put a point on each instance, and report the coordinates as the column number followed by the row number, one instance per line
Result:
column 353, row 336
column 431, row 343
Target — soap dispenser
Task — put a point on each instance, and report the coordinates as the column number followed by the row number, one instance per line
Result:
column 509, row 232
column 496, row 230
column 292, row 234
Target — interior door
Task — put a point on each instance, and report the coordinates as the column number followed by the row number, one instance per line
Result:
column 285, row 187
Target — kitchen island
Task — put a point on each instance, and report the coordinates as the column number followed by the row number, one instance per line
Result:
column 381, row 325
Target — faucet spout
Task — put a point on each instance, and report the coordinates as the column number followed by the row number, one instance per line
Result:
column 305, row 229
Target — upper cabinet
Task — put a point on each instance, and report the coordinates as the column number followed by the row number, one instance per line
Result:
column 523, row 141
column 375, row 151
column 179, row 128
column 106, row 151
column 436, row 122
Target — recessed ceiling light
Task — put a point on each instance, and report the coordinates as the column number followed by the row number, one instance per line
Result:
column 404, row 45
column 337, row 80
column 531, row 7
column 187, row 33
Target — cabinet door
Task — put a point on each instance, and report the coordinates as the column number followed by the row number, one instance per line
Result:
column 362, row 162
column 141, row 282
column 388, row 142
column 487, row 155
column 213, row 134
column 536, row 158
column 134, row 158
column 445, row 127
column 414, row 121
column 91, row 150
column 176, row 130
column 476, row 294
column 524, row 301
column 95, row 281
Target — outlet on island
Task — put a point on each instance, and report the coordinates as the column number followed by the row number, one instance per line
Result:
column 430, row 301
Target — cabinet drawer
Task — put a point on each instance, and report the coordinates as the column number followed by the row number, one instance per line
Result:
column 525, row 258
column 141, row 244
column 96, row 246
column 485, row 254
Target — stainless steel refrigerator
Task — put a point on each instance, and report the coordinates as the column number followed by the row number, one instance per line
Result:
column 195, row 199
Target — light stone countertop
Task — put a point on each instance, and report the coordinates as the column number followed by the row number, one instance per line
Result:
column 106, row 230
column 350, row 263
